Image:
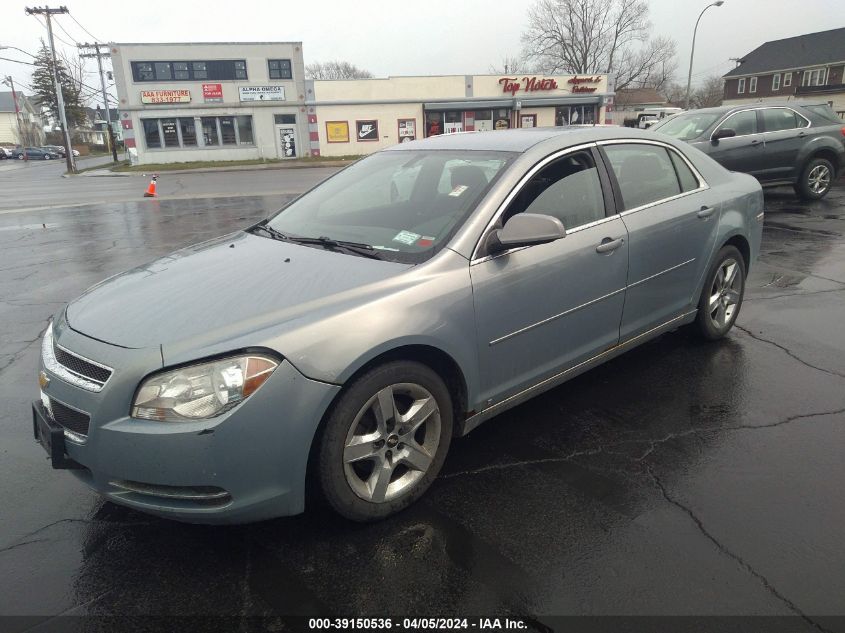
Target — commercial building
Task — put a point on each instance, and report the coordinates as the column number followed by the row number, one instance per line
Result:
column 233, row 101
column 211, row 101
column 22, row 125
column 360, row 116
column 809, row 67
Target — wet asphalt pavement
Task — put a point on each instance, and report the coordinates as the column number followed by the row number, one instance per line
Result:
column 682, row 478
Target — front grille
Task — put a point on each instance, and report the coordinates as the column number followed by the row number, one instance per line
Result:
column 71, row 419
column 82, row 367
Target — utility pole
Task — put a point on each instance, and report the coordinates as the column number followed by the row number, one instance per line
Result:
column 11, row 83
column 47, row 12
column 99, row 57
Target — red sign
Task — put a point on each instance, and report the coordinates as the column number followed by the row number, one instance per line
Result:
column 527, row 84
column 212, row 92
column 577, row 83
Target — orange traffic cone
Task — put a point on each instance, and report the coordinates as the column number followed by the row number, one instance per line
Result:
column 151, row 190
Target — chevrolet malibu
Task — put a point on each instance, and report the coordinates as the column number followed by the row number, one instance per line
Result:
column 341, row 344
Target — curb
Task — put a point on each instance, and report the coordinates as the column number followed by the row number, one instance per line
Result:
column 205, row 170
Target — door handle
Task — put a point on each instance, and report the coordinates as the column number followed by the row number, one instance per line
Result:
column 608, row 245
column 755, row 142
column 705, row 212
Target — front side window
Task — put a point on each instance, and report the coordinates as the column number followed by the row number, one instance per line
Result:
column 742, row 123
column 568, row 189
column 752, row 84
column 740, row 86
column 279, row 68
column 394, row 201
column 775, row 119
column 644, row 172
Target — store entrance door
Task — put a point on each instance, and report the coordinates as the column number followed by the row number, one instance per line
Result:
column 286, row 141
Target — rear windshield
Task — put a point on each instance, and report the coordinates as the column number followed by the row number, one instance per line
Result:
column 825, row 112
column 687, row 126
column 405, row 204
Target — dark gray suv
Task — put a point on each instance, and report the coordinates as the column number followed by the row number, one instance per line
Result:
column 779, row 143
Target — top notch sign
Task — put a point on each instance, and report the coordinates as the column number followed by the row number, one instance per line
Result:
column 528, row 84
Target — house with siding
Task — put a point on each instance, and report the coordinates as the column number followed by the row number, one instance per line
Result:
column 808, row 67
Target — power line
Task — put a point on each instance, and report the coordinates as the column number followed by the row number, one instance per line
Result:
column 59, row 24
column 83, row 28
column 17, row 61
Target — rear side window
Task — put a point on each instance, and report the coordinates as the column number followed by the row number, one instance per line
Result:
column 776, row 119
column 644, row 172
column 825, row 112
column 687, row 179
column 743, row 123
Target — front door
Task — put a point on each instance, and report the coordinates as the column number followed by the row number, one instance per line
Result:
column 785, row 131
column 745, row 152
column 547, row 307
column 286, row 141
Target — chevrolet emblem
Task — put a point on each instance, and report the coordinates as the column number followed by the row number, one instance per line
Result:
column 43, row 379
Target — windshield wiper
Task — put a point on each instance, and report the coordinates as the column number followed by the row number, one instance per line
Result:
column 276, row 235
column 356, row 248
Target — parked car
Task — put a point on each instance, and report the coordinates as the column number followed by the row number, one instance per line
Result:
column 645, row 121
column 55, row 149
column 4, row 153
column 779, row 143
column 344, row 341
column 35, row 153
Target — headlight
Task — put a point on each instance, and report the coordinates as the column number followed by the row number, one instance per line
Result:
column 201, row 391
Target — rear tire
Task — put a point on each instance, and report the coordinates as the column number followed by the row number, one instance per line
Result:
column 385, row 441
column 816, row 179
column 722, row 294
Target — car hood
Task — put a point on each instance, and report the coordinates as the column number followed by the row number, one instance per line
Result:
column 221, row 288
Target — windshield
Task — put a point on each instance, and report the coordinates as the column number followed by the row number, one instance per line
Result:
column 687, row 126
column 405, row 204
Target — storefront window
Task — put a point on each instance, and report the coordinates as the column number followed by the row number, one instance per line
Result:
column 151, row 135
column 209, row 131
column 245, row 130
column 454, row 122
column 189, row 132
column 227, row 130
column 501, row 119
column 483, row 120
column 575, row 115
column 171, row 136
column 433, row 123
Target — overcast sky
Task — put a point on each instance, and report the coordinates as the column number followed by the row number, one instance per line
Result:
column 391, row 37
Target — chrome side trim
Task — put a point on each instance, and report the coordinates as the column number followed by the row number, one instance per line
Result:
column 760, row 216
column 759, row 107
column 169, row 492
column 662, row 272
column 553, row 381
column 557, row 316
column 519, row 185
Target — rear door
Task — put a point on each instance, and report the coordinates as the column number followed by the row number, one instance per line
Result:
column 672, row 220
column 744, row 152
column 785, row 133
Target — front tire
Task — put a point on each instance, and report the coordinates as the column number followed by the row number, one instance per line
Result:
column 816, row 179
column 721, row 297
column 385, row 441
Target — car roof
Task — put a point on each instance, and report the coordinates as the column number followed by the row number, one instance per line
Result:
column 757, row 104
column 522, row 139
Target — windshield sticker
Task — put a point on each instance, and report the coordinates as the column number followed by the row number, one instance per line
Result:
column 406, row 237
column 425, row 240
column 458, row 190
column 386, row 248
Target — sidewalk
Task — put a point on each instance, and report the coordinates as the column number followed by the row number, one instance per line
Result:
column 107, row 172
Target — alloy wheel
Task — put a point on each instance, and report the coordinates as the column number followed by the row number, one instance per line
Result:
column 725, row 293
column 392, row 442
column 819, row 179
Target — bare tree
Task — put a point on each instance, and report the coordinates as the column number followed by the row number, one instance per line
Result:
column 335, row 70
column 674, row 92
column 511, row 64
column 710, row 93
column 598, row 36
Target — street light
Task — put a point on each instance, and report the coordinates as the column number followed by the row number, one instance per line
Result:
column 718, row 3
column 17, row 49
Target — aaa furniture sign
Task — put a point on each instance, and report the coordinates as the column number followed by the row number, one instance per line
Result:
column 165, row 96
column 262, row 93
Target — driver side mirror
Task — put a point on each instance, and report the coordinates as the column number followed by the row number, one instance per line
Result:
column 725, row 132
column 525, row 229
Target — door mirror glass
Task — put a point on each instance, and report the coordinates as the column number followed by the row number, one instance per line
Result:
column 525, row 229
column 725, row 132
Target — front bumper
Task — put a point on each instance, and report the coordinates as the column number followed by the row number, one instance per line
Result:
column 246, row 465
